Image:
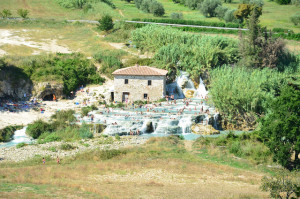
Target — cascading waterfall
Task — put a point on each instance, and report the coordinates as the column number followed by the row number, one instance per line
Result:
column 165, row 118
column 201, row 91
column 20, row 136
column 144, row 126
column 185, row 124
column 216, row 118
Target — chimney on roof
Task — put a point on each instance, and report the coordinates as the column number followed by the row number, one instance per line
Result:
column 137, row 65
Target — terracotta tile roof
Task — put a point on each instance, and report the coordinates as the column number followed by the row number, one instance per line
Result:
column 140, row 71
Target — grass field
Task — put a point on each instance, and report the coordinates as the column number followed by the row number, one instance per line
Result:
column 274, row 15
column 163, row 168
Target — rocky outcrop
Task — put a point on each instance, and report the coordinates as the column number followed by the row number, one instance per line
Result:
column 241, row 123
column 14, row 83
column 204, row 129
column 44, row 89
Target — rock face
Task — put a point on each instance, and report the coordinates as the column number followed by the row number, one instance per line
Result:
column 14, row 83
column 47, row 89
column 204, row 129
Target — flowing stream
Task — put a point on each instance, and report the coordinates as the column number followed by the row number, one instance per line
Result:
column 19, row 137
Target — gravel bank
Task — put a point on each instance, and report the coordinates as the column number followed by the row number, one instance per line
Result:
column 53, row 148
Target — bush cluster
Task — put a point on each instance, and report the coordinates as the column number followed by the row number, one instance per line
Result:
column 72, row 70
column 295, row 19
column 110, row 61
column 86, row 110
column 150, row 6
column 106, row 23
column 289, row 36
column 61, row 127
column 173, row 51
column 244, row 93
column 7, row 133
column 245, row 145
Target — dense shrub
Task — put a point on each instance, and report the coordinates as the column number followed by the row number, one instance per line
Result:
column 110, row 61
column 23, row 13
column 229, row 16
column 87, row 109
column 295, row 19
column 150, row 6
column 244, row 92
column 208, row 7
column 7, row 133
column 62, row 118
column 72, row 70
column 5, row 13
column 106, row 23
column 173, row 49
column 220, row 12
column 245, row 145
column 84, row 132
column 283, row 2
column 176, row 15
column 48, row 137
column 281, row 126
column 37, row 128
column 157, row 9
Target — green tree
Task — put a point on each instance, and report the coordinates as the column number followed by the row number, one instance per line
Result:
column 23, row 13
column 220, row 12
column 283, row 185
column 5, row 13
column 295, row 19
column 37, row 128
column 208, row 7
column 245, row 10
column 229, row 17
column 157, row 9
column 281, row 127
column 106, row 23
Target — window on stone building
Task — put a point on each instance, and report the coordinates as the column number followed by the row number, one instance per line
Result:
column 145, row 95
column 126, row 81
column 149, row 82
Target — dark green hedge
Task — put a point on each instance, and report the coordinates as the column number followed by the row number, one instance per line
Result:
column 190, row 22
column 191, row 29
column 289, row 36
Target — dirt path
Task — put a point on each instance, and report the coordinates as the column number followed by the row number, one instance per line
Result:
column 121, row 13
column 188, row 144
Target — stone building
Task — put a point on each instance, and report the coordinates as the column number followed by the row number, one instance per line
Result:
column 139, row 83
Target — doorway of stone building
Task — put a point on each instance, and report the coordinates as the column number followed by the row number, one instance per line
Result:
column 125, row 96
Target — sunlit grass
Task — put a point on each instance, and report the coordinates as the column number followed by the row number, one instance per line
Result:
column 161, row 168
